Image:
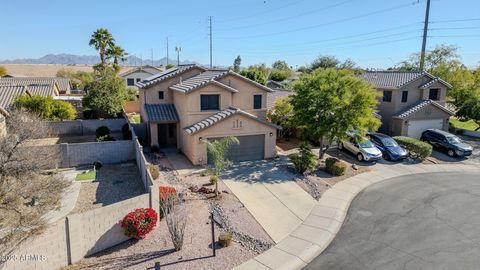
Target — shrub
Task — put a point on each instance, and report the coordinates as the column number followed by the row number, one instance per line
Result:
column 175, row 214
column 139, row 223
column 335, row 166
column 102, row 131
column 46, row 107
column 225, row 239
column 213, row 180
column 106, row 138
column 154, row 171
column 417, row 149
column 305, row 160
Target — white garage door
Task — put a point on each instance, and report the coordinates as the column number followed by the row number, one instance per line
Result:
column 416, row 127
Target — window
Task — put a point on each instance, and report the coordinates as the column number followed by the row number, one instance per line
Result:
column 160, row 95
column 209, row 102
column 433, row 95
column 138, row 79
column 130, row 82
column 404, row 96
column 257, row 101
column 387, row 96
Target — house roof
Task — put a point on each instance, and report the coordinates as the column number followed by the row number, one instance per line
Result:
column 391, row 79
column 275, row 85
column 169, row 73
column 220, row 116
column 276, row 94
column 435, row 80
column 201, row 80
column 418, row 106
column 64, row 84
column 161, row 113
column 8, row 94
column 43, row 86
column 144, row 68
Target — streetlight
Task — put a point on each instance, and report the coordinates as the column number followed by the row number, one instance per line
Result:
column 178, row 50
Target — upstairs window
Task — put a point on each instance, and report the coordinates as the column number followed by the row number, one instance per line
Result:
column 433, row 94
column 404, row 96
column 160, row 95
column 387, row 96
column 138, row 79
column 209, row 102
column 257, row 101
column 130, row 82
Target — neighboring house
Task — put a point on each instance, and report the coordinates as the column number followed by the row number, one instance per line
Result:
column 138, row 74
column 410, row 102
column 64, row 86
column 274, row 85
column 10, row 90
column 188, row 104
column 3, row 126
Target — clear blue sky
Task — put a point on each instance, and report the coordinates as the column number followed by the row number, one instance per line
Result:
column 373, row 33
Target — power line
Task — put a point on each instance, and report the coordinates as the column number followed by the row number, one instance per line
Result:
column 455, row 28
column 458, row 20
column 287, row 18
column 328, row 23
column 442, row 36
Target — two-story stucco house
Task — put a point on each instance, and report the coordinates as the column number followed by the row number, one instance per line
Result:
column 138, row 74
column 410, row 102
column 188, row 104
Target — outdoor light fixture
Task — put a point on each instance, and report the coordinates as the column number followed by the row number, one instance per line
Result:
column 271, row 134
column 200, row 139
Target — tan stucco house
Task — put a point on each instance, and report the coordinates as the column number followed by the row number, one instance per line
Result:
column 410, row 102
column 188, row 104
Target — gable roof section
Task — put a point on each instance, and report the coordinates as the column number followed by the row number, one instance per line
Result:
column 391, row 79
column 166, row 113
column 435, row 80
column 261, row 86
column 169, row 73
column 43, row 86
column 220, row 116
column 8, row 94
column 143, row 68
column 420, row 105
column 201, row 80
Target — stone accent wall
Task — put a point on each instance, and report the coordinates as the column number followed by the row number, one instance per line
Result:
column 85, row 127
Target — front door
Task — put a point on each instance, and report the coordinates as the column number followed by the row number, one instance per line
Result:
column 162, row 134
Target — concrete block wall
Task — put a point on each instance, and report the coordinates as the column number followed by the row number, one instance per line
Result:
column 85, row 127
column 105, row 152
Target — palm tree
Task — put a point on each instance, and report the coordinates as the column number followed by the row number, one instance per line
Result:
column 100, row 40
column 117, row 53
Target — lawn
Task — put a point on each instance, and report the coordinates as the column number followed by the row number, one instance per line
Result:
column 468, row 125
column 87, row 175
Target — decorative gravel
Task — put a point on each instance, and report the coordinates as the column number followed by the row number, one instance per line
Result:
column 114, row 183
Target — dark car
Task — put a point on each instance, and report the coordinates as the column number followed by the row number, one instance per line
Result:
column 447, row 142
column 389, row 147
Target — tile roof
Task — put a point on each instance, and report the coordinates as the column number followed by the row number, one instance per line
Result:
column 161, row 113
column 391, row 79
column 8, row 94
column 220, row 116
column 276, row 94
column 145, row 68
column 201, row 80
column 418, row 106
column 165, row 75
column 62, row 83
column 436, row 79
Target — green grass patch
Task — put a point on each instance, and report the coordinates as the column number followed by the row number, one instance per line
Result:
column 86, row 175
column 468, row 125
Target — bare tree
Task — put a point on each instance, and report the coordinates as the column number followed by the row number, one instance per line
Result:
column 27, row 192
column 176, row 216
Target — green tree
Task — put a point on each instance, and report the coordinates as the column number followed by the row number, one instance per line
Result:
column 330, row 103
column 3, row 71
column 78, row 79
column 325, row 61
column 216, row 151
column 236, row 64
column 279, row 75
column 46, row 107
column 258, row 73
column 469, row 109
column 117, row 53
column 304, row 160
column 169, row 66
column 282, row 115
column 101, row 40
column 107, row 93
column 280, row 65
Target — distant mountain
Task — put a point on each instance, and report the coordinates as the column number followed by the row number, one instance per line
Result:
column 72, row 59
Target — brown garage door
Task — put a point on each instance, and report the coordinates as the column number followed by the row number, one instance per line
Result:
column 251, row 147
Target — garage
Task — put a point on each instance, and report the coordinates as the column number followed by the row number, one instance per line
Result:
column 416, row 127
column 251, row 147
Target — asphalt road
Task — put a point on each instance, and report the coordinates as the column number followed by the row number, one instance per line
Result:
column 423, row 221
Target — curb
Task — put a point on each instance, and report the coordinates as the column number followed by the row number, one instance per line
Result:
column 323, row 223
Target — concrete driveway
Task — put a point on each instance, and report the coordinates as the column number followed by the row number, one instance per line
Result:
column 422, row 221
column 268, row 190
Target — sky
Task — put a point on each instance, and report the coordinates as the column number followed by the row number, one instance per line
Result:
column 373, row 33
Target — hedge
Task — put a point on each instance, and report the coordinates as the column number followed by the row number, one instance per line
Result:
column 335, row 166
column 417, row 149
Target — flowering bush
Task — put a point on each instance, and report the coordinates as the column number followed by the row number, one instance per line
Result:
column 167, row 195
column 139, row 223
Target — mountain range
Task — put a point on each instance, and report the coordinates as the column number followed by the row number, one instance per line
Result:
column 72, row 59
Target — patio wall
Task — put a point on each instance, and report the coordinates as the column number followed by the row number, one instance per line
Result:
column 85, row 127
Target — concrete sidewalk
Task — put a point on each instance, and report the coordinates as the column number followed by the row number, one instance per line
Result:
column 316, row 232
column 269, row 192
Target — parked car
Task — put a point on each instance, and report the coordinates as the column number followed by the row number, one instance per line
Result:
column 364, row 150
column 388, row 146
column 447, row 142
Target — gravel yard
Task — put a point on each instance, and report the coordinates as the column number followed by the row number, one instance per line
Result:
column 114, row 183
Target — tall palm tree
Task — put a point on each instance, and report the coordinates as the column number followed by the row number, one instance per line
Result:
column 100, row 40
column 117, row 53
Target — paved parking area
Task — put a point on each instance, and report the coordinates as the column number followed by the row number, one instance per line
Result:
column 472, row 160
column 422, row 221
column 268, row 190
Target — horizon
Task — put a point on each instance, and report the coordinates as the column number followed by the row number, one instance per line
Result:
column 260, row 31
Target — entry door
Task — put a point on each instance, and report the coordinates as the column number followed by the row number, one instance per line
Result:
column 162, row 134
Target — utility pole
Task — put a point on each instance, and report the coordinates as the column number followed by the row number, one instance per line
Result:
column 167, row 51
column 210, row 19
column 178, row 50
column 425, row 32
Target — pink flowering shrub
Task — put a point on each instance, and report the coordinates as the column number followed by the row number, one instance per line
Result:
column 139, row 223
